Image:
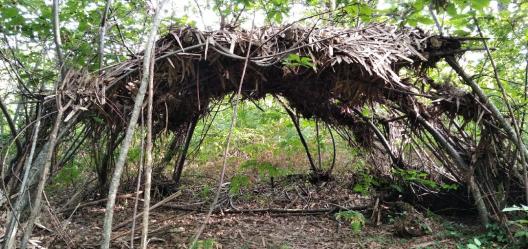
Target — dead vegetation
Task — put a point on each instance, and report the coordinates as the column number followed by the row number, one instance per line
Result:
column 328, row 74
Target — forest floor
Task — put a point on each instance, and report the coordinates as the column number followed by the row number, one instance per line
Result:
column 275, row 221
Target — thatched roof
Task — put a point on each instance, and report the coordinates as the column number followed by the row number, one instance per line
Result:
column 346, row 68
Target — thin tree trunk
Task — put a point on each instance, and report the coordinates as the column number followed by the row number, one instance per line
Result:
column 35, row 210
column 138, row 185
column 102, row 34
column 57, row 37
column 334, row 152
column 148, row 164
column 12, row 127
column 320, row 160
column 14, row 219
column 138, row 102
column 301, row 137
column 181, row 159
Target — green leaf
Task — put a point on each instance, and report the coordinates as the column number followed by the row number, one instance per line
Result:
column 419, row 5
column 451, row 10
column 521, row 234
column 477, row 241
column 472, row 246
column 516, row 208
column 479, row 4
column 237, row 182
column 9, row 12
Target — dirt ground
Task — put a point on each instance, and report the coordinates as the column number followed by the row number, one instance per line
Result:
column 271, row 225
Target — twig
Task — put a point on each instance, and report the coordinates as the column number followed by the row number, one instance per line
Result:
column 318, row 144
column 159, row 204
column 91, row 203
column 273, row 210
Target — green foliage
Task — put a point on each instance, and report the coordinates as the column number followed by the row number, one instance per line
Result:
column 494, row 236
column 474, row 244
column 495, row 233
column 69, row 175
column 295, row 60
column 361, row 10
column 365, row 183
column 415, row 176
column 264, row 132
column 237, row 183
column 520, row 222
column 206, row 192
column 134, row 154
column 264, row 169
column 355, row 218
column 204, row 244
column 410, row 176
column 275, row 9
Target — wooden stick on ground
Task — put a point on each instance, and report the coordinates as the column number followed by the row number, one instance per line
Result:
column 160, row 203
column 91, row 203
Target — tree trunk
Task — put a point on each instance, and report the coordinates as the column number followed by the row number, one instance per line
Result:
column 295, row 122
column 14, row 219
column 35, row 210
column 181, row 159
column 138, row 102
column 148, row 164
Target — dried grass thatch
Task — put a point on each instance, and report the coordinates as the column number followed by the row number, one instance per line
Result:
column 346, row 68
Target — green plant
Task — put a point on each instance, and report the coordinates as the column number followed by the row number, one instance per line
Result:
column 237, row 183
column 451, row 230
column 495, row 233
column 472, row 244
column 492, row 238
column 205, row 192
column 355, row 218
column 264, row 168
column 69, row 174
column 407, row 176
column 204, row 244
column 520, row 223
column 295, row 60
column 365, row 183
